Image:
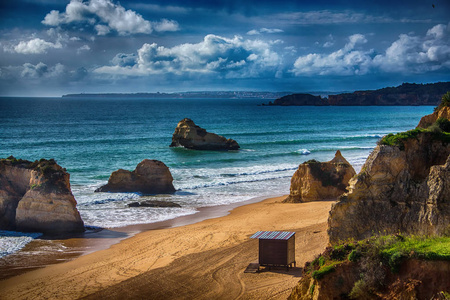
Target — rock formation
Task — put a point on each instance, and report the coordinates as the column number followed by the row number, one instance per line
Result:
column 314, row 180
column 428, row 120
column 300, row 100
column 401, row 188
column 154, row 203
column 149, row 177
column 191, row 136
column 36, row 196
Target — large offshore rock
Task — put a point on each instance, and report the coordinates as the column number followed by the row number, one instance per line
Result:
column 36, row 196
column 315, row 180
column 149, row 177
column 399, row 189
column 191, row 136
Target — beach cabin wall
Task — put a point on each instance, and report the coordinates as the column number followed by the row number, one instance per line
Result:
column 276, row 248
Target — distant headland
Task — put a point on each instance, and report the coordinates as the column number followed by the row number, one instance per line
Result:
column 407, row 94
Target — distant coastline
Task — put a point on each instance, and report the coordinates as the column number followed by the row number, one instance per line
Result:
column 407, row 94
column 186, row 95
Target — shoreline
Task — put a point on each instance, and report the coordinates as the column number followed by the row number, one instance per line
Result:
column 47, row 250
column 185, row 250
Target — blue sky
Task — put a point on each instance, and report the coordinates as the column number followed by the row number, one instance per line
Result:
column 54, row 47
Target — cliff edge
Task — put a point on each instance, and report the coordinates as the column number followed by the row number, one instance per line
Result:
column 404, row 186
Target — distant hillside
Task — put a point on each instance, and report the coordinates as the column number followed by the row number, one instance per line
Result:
column 404, row 95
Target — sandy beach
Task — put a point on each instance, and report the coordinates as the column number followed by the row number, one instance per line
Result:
column 204, row 260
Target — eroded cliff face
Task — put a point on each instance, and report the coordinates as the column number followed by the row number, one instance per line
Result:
column 149, row 177
column 428, row 120
column 398, row 190
column 191, row 136
column 36, row 196
column 320, row 180
column 416, row 279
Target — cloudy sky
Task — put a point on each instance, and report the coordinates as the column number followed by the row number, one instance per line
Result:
column 54, row 47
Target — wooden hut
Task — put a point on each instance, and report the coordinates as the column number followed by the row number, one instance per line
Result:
column 276, row 248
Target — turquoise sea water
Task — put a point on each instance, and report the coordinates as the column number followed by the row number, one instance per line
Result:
column 93, row 137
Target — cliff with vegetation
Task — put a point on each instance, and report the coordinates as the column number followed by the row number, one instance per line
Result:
column 36, row 196
column 405, row 94
column 386, row 267
column 404, row 186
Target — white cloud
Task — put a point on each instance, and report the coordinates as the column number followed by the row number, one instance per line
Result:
column 106, row 16
column 34, row 46
column 345, row 61
column 417, row 54
column 41, row 70
column 83, row 48
column 264, row 30
column 409, row 53
column 166, row 25
column 228, row 57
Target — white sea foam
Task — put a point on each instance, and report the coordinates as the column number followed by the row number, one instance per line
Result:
column 12, row 241
column 303, row 151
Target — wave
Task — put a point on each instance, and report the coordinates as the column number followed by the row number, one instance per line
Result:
column 317, row 140
column 302, row 152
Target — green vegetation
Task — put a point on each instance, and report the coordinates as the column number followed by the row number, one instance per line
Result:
column 324, row 270
column 373, row 257
column 445, row 101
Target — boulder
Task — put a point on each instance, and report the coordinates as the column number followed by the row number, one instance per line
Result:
column 315, row 180
column 154, row 203
column 149, row 177
column 191, row 136
column 399, row 189
column 36, row 196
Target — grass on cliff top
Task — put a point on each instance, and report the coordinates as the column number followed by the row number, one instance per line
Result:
column 436, row 130
column 389, row 250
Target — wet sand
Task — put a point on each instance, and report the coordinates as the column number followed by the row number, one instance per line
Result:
column 203, row 260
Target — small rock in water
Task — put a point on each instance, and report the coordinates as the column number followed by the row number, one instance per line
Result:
column 154, row 203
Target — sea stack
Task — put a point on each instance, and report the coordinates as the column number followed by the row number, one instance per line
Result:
column 191, row 136
column 149, row 177
column 36, row 197
column 316, row 180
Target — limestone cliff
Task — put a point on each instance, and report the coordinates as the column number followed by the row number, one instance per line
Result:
column 401, row 188
column 149, row 177
column 428, row 120
column 191, row 136
column 36, row 196
column 314, row 180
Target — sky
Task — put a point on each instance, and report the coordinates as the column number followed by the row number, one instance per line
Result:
column 56, row 47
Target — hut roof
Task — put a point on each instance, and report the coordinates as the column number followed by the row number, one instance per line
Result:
column 273, row 235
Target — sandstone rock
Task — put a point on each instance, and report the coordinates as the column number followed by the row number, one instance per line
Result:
column 36, row 196
column 154, row 203
column 398, row 190
column 427, row 120
column 320, row 181
column 191, row 136
column 149, row 177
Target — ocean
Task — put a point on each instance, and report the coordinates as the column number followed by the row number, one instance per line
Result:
column 91, row 138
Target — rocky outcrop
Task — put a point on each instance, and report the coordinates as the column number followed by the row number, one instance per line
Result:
column 428, row 120
column 149, row 177
column 399, row 189
column 300, row 100
column 36, row 196
column 191, row 136
column 315, row 180
column 154, row 203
